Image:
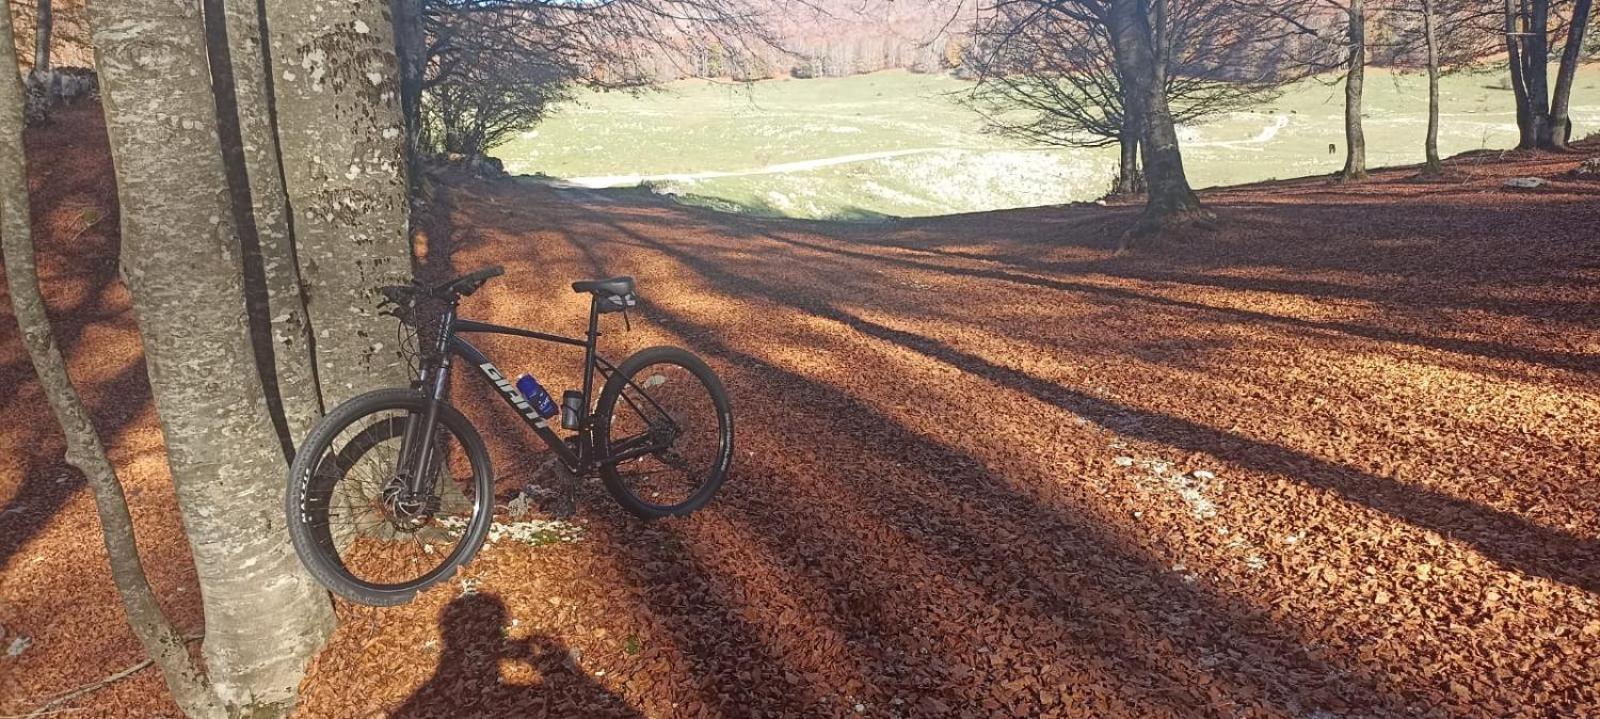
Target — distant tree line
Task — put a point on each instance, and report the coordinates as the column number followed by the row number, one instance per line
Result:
column 1124, row 72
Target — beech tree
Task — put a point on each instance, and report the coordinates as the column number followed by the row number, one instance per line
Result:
column 1134, row 32
column 1529, row 26
column 244, row 87
column 1048, row 75
column 84, row 450
column 1571, row 55
column 1355, row 139
column 341, row 137
column 1170, row 200
column 265, row 617
column 191, row 245
column 1432, row 166
column 486, row 68
column 1447, row 34
column 43, row 22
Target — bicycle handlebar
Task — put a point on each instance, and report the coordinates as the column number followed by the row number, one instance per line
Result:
column 468, row 283
column 461, row 286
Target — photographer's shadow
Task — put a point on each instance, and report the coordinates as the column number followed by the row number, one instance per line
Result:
column 468, row 681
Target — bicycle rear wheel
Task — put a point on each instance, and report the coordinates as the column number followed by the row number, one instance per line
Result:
column 667, row 413
column 353, row 520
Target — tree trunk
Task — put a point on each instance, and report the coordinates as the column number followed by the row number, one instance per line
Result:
column 1170, row 199
column 1355, row 159
column 1130, row 179
column 264, row 616
column 1536, row 70
column 84, row 451
column 1432, row 167
column 342, row 139
column 1560, row 121
column 284, row 346
column 411, row 46
column 1527, row 138
column 44, row 21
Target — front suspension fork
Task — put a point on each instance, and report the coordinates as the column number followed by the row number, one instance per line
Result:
column 417, row 449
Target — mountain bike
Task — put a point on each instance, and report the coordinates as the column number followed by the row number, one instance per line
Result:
column 392, row 491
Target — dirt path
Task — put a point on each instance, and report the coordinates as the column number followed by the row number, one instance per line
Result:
column 1332, row 462
column 612, row 181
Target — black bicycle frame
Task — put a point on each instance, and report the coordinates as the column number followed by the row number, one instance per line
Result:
column 435, row 380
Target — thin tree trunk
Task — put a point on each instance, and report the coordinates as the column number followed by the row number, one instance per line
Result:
column 1170, row 200
column 1536, row 70
column 342, row 140
column 1355, row 159
column 44, row 21
column 1527, row 138
column 284, row 346
column 149, row 623
column 411, row 46
column 265, row 617
column 1432, row 167
column 1130, row 180
column 1560, row 121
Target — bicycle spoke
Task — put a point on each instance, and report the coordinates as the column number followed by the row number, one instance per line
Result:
column 376, row 527
column 668, row 417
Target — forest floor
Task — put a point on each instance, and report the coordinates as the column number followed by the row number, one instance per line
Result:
column 1334, row 459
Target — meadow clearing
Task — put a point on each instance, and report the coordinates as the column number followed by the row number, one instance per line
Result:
column 899, row 144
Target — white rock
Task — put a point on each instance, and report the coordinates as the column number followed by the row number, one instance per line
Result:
column 1526, row 183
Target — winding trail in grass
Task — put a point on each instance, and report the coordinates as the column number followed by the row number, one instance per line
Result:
column 608, row 181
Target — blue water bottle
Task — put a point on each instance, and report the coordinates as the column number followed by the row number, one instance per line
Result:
column 537, row 396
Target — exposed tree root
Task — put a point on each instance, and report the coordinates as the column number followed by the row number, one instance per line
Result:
column 1156, row 226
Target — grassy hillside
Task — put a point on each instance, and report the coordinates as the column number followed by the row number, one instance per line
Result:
column 895, row 143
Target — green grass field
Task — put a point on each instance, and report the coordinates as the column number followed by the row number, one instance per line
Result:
column 898, row 144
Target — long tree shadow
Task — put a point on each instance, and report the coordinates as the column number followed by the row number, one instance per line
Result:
column 1486, row 350
column 991, row 553
column 901, row 580
column 469, row 683
column 48, row 483
column 1502, row 536
column 1465, row 236
column 1017, row 564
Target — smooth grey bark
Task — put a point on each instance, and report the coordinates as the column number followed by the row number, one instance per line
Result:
column 1527, row 29
column 265, row 617
column 1130, row 179
column 43, row 22
column 264, row 217
column 411, row 44
column 84, row 451
column 1430, row 29
column 1355, row 158
column 1170, row 200
column 342, row 138
column 1536, row 69
column 1560, row 102
column 1519, row 86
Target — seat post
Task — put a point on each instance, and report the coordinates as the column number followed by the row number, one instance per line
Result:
column 589, row 354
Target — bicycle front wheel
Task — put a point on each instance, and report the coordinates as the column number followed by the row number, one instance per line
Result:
column 665, row 433
column 355, row 521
